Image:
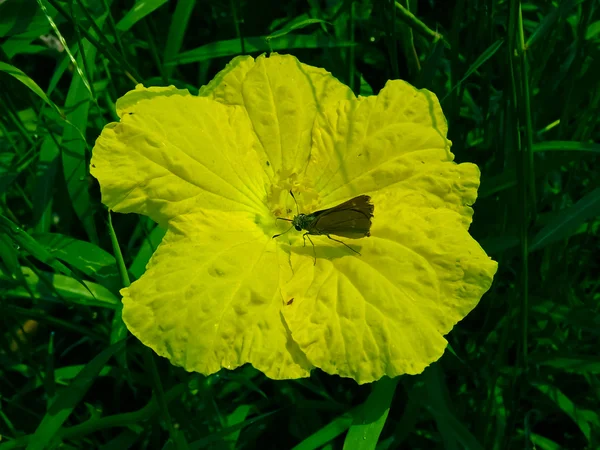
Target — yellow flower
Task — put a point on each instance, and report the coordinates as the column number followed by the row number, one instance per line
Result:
column 216, row 170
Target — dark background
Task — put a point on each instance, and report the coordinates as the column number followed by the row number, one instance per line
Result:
column 518, row 83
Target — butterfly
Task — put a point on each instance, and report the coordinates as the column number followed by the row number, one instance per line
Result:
column 351, row 219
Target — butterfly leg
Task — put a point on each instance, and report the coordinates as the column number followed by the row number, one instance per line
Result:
column 343, row 243
column 307, row 235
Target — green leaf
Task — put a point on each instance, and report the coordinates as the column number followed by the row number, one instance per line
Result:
column 13, row 22
column 69, row 397
column 568, row 220
column 69, row 289
column 85, row 256
column 593, row 30
column 140, row 10
column 26, row 242
column 368, row 423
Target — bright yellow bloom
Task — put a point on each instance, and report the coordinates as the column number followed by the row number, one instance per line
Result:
column 216, row 170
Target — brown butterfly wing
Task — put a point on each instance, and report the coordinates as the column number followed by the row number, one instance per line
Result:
column 351, row 219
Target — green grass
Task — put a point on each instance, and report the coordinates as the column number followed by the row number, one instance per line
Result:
column 520, row 86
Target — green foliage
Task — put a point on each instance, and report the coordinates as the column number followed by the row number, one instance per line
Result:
column 521, row 92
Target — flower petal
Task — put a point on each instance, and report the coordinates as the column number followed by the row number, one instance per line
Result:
column 173, row 153
column 398, row 136
column 210, row 298
column 282, row 97
column 385, row 312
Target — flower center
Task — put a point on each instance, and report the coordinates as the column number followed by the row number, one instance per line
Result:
column 281, row 202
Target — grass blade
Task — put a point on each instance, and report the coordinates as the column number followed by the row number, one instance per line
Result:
column 568, row 220
column 568, row 146
column 45, row 175
column 368, row 423
column 177, row 30
column 66, row 401
column 140, row 10
column 293, row 25
column 481, row 59
column 329, row 432
column 32, row 85
column 581, row 417
column 233, row 47
column 74, row 146
column 138, row 266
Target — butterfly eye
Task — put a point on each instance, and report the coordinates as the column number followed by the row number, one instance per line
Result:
column 298, row 227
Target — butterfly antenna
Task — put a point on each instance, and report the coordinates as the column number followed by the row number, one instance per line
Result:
column 297, row 209
column 277, row 235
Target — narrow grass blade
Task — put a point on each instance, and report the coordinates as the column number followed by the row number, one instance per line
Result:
column 237, row 416
column 481, row 59
column 568, row 220
column 123, row 441
column 437, row 402
column 74, row 148
column 138, row 266
column 543, row 443
column 219, row 435
column 32, row 85
column 294, row 25
column 45, row 175
column 368, row 423
column 581, row 417
column 566, row 146
column 233, row 47
column 65, row 46
column 9, row 257
column 571, row 363
column 494, row 184
column 329, row 432
column 140, row 10
column 415, row 23
column 548, row 23
column 177, row 29
column 69, row 398
column 118, row 328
